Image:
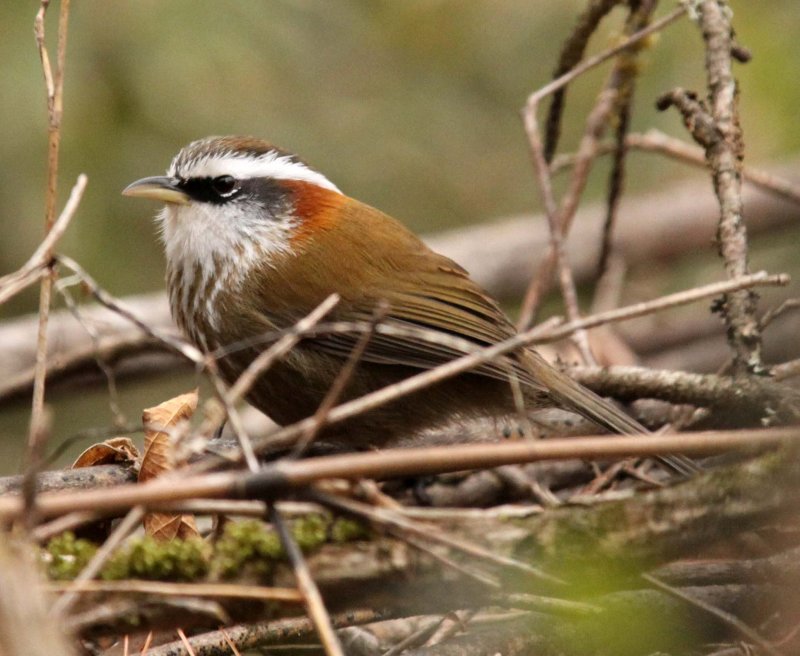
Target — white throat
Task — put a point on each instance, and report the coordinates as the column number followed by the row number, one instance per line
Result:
column 211, row 248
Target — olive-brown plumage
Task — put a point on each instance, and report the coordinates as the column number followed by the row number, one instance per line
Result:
column 256, row 239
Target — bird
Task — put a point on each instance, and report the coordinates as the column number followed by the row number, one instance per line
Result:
column 255, row 238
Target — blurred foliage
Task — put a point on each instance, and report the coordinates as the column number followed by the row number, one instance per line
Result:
column 411, row 106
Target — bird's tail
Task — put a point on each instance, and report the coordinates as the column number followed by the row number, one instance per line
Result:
column 570, row 394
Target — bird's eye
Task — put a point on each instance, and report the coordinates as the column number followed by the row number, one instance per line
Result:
column 224, row 185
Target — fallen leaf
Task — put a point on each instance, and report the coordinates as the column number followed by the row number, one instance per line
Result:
column 116, row 450
column 160, row 424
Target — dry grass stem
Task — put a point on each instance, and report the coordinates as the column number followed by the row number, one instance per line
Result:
column 185, row 642
column 280, row 348
column 230, row 397
column 105, row 299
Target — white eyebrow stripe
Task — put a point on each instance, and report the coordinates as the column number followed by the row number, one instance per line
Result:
column 242, row 167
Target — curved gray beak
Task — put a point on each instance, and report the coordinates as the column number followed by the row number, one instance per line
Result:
column 157, row 187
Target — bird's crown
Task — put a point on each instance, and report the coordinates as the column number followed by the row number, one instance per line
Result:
column 241, row 158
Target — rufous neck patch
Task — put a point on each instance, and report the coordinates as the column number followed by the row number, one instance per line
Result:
column 316, row 208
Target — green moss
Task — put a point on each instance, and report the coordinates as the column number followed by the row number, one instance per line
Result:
column 66, row 556
column 246, row 547
column 344, row 529
column 310, row 531
column 147, row 558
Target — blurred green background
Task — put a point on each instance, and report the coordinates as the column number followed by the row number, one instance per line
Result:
column 410, row 105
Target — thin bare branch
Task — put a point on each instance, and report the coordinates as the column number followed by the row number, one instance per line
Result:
column 280, row 476
column 54, row 85
column 175, row 343
column 400, row 525
column 715, row 125
column 340, row 383
column 171, row 589
column 34, row 268
column 260, row 634
column 762, row 278
column 257, row 367
column 266, row 358
column 563, row 216
column 313, row 599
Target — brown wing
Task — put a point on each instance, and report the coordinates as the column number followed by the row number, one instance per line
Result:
column 385, row 262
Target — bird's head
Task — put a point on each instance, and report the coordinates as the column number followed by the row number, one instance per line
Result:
column 235, row 198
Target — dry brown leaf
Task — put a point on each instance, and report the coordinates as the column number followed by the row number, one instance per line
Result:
column 168, row 526
column 115, row 450
column 159, row 423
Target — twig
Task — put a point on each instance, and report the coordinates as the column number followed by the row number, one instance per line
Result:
column 551, row 333
column 613, row 97
column 655, row 141
column 416, row 638
column 313, row 599
column 171, row 589
column 544, row 273
column 256, row 368
column 479, row 576
column 340, row 383
column 623, row 81
column 720, row 614
column 774, row 312
column 398, row 524
column 758, row 399
column 35, row 267
column 105, row 368
column 185, row 642
column 245, row 443
column 54, row 84
column 70, row 522
column 786, row 370
column 252, row 636
column 571, row 55
column 277, row 478
column 266, row 358
column 715, row 126
column 592, row 62
column 230, row 643
column 110, row 349
column 177, row 344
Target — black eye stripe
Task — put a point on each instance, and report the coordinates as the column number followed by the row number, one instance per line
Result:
column 216, row 190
